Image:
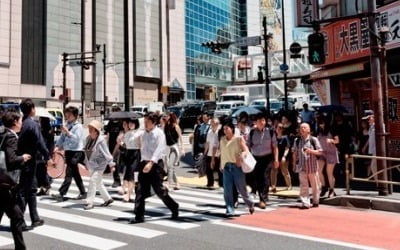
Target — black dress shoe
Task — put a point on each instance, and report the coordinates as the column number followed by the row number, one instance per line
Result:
column 58, row 197
column 175, row 214
column 136, row 220
column 107, row 203
column 38, row 223
column 26, row 228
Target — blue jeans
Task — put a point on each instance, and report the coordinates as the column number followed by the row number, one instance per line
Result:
column 234, row 175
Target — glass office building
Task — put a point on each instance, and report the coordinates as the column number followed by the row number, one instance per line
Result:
column 208, row 73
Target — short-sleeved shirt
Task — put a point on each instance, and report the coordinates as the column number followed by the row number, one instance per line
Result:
column 212, row 139
column 260, row 142
column 306, row 162
column 132, row 139
column 283, row 143
column 230, row 150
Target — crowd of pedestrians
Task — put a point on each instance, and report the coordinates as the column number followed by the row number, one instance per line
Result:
column 309, row 144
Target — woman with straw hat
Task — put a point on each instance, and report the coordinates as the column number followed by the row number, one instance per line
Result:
column 98, row 157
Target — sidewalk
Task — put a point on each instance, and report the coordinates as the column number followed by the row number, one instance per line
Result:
column 356, row 199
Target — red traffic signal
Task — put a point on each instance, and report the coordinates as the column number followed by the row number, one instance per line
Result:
column 53, row 92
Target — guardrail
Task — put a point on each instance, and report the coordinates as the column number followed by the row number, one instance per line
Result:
column 374, row 177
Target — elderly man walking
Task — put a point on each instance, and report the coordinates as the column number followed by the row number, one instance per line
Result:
column 305, row 152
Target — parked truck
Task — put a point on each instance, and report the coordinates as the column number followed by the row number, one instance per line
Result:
column 248, row 92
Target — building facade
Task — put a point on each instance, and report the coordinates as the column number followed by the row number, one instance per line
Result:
column 347, row 72
column 208, row 73
column 35, row 34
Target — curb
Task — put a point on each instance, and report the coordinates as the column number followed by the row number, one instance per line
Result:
column 388, row 205
column 352, row 201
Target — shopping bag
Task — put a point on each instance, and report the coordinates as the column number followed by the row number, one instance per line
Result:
column 248, row 162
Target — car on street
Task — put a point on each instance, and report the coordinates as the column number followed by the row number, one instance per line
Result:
column 227, row 108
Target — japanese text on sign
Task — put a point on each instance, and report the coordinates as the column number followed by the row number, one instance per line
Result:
column 305, row 12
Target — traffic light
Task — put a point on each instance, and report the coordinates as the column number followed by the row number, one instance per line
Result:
column 216, row 46
column 260, row 76
column 53, row 92
column 316, row 51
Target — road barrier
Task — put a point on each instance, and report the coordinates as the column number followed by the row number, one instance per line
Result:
column 374, row 176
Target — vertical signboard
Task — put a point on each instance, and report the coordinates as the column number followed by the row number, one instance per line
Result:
column 390, row 17
column 306, row 12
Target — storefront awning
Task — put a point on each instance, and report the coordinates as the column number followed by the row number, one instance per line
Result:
column 342, row 70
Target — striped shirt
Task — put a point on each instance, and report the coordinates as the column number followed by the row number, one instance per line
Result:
column 306, row 162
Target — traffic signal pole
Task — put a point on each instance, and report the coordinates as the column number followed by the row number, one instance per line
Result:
column 266, row 68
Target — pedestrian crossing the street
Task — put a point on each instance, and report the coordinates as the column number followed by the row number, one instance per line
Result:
column 70, row 224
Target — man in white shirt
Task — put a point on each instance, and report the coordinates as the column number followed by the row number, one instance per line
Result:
column 151, row 170
column 212, row 152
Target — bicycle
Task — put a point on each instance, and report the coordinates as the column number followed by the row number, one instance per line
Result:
column 58, row 169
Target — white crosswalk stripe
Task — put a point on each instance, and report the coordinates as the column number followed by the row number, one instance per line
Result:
column 63, row 218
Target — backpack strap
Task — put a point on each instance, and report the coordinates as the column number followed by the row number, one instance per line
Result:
column 313, row 142
column 251, row 136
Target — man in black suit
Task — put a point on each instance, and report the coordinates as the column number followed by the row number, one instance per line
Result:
column 30, row 141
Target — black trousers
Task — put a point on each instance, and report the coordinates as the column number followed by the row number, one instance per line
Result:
column 72, row 158
column 43, row 179
column 28, row 189
column 154, row 179
column 262, row 175
column 210, row 172
column 10, row 207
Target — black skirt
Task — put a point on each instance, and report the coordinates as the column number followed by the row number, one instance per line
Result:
column 132, row 160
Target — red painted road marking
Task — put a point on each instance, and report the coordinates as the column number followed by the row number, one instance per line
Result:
column 368, row 228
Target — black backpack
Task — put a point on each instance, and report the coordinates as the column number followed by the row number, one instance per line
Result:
column 312, row 141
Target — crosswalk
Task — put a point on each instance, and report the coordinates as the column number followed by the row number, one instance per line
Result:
column 69, row 223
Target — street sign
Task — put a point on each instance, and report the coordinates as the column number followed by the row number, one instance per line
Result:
column 248, row 41
column 295, row 48
column 283, row 68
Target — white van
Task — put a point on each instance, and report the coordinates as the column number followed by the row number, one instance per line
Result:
column 296, row 100
column 149, row 107
column 227, row 108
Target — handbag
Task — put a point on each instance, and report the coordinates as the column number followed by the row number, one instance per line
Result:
column 248, row 162
column 11, row 176
column 3, row 164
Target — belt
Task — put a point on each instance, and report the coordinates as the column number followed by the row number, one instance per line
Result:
column 261, row 156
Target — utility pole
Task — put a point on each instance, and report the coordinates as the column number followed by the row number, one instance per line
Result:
column 104, row 79
column 64, row 80
column 284, row 56
column 377, row 99
column 266, row 65
column 126, row 55
column 83, row 20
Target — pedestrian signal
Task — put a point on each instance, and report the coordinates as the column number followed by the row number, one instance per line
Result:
column 316, row 51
